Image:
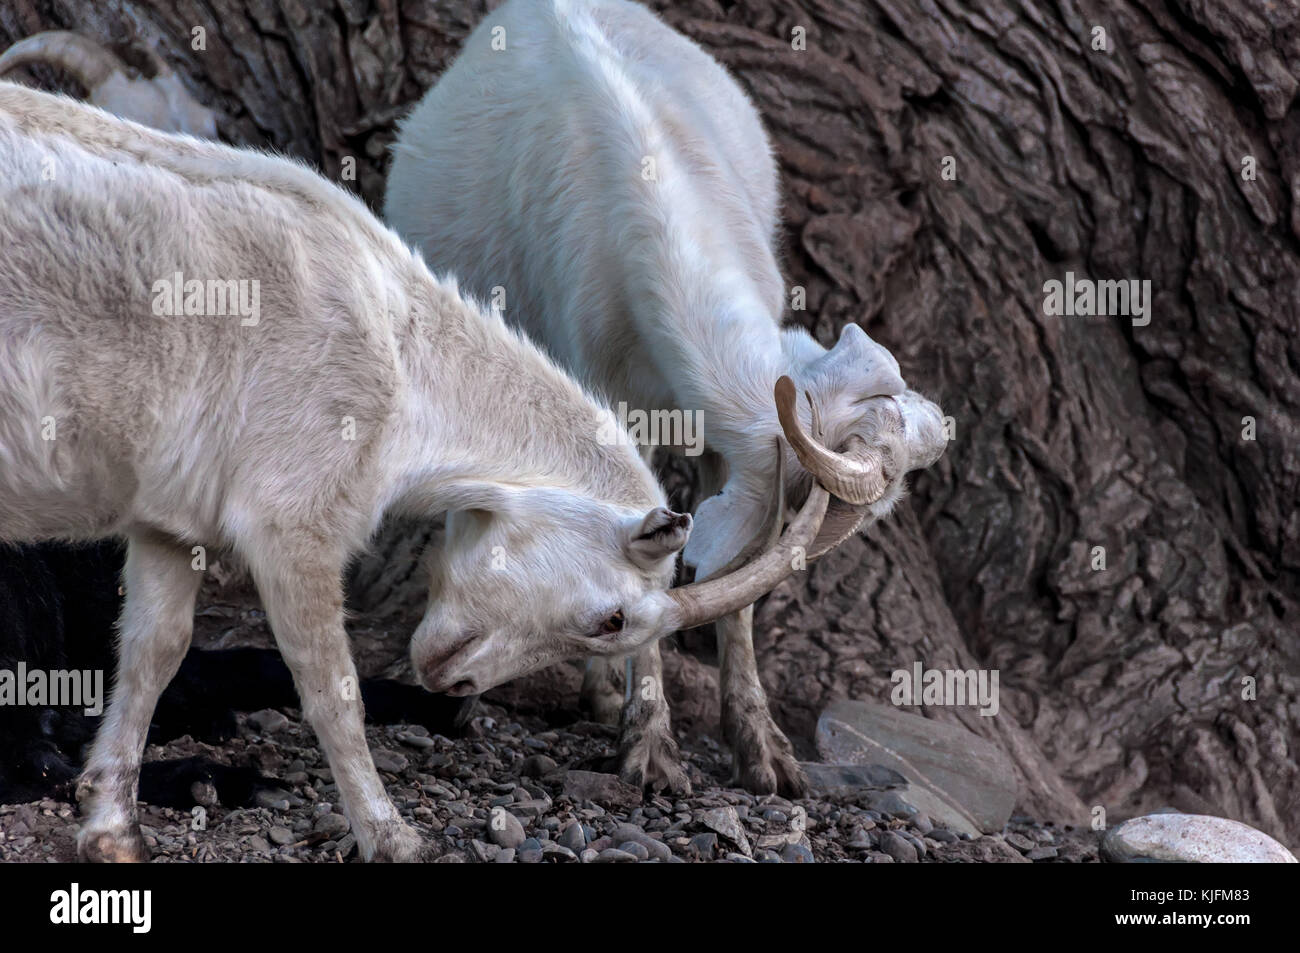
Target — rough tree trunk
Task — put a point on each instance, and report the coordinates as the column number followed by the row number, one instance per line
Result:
column 1121, row 688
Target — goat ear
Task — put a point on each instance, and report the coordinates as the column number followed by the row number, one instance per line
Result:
column 860, row 366
column 724, row 525
column 661, row 534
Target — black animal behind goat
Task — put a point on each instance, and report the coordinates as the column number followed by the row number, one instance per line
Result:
column 58, row 605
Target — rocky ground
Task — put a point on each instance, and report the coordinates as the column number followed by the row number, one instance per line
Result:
column 518, row 791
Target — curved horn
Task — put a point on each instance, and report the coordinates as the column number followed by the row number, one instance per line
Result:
column 702, row 602
column 86, row 60
column 855, row 476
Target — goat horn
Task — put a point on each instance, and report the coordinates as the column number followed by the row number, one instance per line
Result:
column 855, row 476
column 702, row 602
column 84, row 59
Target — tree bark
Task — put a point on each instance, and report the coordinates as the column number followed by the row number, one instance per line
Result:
column 1173, row 674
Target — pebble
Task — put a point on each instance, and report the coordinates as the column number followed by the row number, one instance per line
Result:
column 607, row 789
column 332, row 826
column 897, row 847
column 635, row 849
column 655, row 848
column 573, row 838
column 1191, row 838
column 797, row 854
column 537, row 765
column 705, row 846
column 504, row 829
column 268, row 721
column 726, row 822
column 612, row 855
column 393, row 762
column 557, row 853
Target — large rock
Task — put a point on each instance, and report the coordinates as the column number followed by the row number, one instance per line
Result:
column 969, row 782
column 1191, row 839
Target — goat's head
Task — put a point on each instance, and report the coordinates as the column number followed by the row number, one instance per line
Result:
column 526, row 577
column 161, row 102
column 852, row 424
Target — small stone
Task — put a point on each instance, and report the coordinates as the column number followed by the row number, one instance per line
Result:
column 726, row 822
column 1019, row 841
column 897, row 847
column 268, row 721
column 423, row 742
column 282, row 836
column 484, row 853
column 589, row 856
column 606, row 789
column 635, row 849
column 1042, row 853
column 655, row 848
column 504, row 829
column 1191, row 838
column 557, row 853
column 533, row 856
column 890, row 804
column 537, row 765
column 331, row 826
column 273, row 799
column 612, row 855
column 506, row 856
column 767, row 857
column 391, row 761
column 704, row 846
column 943, row 836
column 573, row 838
column 797, row 854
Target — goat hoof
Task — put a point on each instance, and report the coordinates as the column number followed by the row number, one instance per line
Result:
column 400, row 844
column 763, row 761
column 112, row 847
column 654, row 764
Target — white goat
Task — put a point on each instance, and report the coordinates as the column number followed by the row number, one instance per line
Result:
column 134, row 403
column 610, row 182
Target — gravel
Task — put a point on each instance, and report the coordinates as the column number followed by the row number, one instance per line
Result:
column 516, row 790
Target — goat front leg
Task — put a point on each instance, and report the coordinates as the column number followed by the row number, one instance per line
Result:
column 155, row 627
column 303, row 594
column 648, row 753
column 763, row 759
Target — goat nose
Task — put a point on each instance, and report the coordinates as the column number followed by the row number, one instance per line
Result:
column 436, row 663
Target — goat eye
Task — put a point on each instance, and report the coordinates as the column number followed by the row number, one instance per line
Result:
column 613, row 625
